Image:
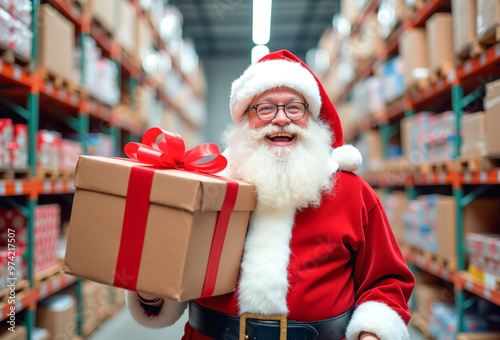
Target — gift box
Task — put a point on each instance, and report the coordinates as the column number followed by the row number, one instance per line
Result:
column 164, row 231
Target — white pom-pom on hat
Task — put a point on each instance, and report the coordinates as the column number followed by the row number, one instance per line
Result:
column 347, row 157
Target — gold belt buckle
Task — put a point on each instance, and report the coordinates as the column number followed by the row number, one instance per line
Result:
column 243, row 324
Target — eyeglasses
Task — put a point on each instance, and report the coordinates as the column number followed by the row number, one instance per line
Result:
column 268, row 111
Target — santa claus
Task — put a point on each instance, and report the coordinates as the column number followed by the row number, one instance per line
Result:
column 320, row 260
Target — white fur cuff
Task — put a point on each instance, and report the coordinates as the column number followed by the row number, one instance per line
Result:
column 377, row 318
column 170, row 312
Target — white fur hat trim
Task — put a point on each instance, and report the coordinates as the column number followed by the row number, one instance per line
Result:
column 268, row 74
column 348, row 157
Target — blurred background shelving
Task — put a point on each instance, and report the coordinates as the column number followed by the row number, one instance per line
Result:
column 415, row 83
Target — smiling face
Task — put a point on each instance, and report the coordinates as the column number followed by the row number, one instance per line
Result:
column 280, row 96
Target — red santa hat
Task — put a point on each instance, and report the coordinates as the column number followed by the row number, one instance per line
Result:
column 283, row 69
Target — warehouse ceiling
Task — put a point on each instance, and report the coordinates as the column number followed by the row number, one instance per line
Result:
column 224, row 27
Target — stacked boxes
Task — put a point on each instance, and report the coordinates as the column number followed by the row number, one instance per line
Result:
column 56, row 314
column 12, row 226
column 47, row 224
column 484, row 254
column 492, row 107
column 48, row 146
column 419, row 223
column 439, row 29
column 488, row 16
column 413, row 50
column 57, row 42
column 15, row 26
column 444, row 320
column 13, row 144
column 464, row 24
column 428, row 138
column 474, row 137
column 392, row 79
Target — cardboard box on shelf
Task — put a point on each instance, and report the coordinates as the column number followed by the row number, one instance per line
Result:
column 439, row 30
column 492, row 108
column 181, row 219
column 474, row 135
column 126, row 26
column 57, row 42
column 20, row 333
column 464, row 24
column 106, row 13
column 488, row 17
column 144, row 38
column 429, row 293
column 395, row 205
column 57, row 315
column 413, row 50
column 478, row 216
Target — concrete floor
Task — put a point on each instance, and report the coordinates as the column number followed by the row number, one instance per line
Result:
column 123, row 327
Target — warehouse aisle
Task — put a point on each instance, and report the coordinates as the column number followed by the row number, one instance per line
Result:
column 123, row 327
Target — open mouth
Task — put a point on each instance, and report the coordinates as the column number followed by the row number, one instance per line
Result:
column 281, row 137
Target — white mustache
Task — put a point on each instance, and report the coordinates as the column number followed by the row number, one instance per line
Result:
column 294, row 129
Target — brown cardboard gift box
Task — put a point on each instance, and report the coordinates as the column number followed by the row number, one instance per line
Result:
column 181, row 218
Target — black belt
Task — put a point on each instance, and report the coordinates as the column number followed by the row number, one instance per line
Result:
column 220, row 326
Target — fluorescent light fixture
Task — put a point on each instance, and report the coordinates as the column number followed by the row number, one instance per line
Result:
column 261, row 22
column 258, row 52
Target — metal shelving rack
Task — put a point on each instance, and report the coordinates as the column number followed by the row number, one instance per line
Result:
column 462, row 87
column 31, row 87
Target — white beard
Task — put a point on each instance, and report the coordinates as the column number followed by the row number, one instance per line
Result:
column 296, row 176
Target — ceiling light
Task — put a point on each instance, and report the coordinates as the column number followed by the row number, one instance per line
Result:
column 261, row 22
column 258, row 52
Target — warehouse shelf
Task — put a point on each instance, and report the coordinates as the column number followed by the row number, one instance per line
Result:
column 435, row 178
column 35, row 187
column 53, row 187
column 15, row 74
column 463, row 281
column 54, row 284
column 428, row 265
column 481, row 177
column 26, row 299
column 71, row 100
column 17, row 187
column 429, row 8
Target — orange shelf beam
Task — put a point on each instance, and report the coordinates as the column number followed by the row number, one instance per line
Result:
column 17, row 187
column 59, row 94
column 479, row 63
column 55, row 284
column 15, row 73
column 26, row 299
column 481, row 177
column 425, row 12
column 463, row 281
column 435, row 178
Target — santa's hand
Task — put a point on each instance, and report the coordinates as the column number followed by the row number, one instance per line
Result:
column 368, row 336
column 149, row 299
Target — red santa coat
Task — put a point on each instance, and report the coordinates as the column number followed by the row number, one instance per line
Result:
column 342, row 253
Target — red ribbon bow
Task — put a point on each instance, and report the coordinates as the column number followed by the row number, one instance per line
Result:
column 169, row 152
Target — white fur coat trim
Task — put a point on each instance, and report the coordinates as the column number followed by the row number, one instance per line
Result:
column 170, row 312
column 263, row 285
column 378, row 318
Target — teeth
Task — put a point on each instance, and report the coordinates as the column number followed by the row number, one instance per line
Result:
column 281, row 134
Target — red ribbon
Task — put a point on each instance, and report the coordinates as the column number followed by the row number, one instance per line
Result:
column 167, row 153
